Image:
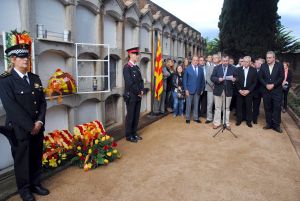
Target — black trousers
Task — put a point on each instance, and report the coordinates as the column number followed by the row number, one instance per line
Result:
column 132, row 118
column 244, row 106
column 256, row 105
column 27, row 156
column 272, row 105
column 202, row 104
column 285, row 96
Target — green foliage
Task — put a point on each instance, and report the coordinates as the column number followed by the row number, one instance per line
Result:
column 248, row 27
column 294, row 103
column 285, row 42
column 212, row 46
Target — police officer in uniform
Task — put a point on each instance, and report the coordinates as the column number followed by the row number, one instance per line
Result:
column 23, row 99
column 134, row 91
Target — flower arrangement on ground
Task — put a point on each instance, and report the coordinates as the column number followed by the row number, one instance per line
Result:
column 92, row 146
column 57, row 146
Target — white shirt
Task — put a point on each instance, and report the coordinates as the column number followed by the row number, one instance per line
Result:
column 195, row 69
column 22, row 75
column 246, row 70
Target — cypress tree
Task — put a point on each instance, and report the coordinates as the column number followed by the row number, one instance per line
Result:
column 248, row 27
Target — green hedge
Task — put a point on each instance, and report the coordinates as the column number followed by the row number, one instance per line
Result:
column 294, row 103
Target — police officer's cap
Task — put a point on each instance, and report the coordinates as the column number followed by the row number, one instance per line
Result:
column 134, row 50
column 18, row 44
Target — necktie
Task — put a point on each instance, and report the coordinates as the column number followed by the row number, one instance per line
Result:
column 25, row 79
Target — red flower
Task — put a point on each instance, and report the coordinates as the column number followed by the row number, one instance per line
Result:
column 105, row 148
column 82, row 158
column 84, row 148
column 96, row 136
column 95, row 151
column 114, row 144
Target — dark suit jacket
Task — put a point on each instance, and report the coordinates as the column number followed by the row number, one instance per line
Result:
column 219, row 86
column 134, row 83
column 275, row 78
column 24, row 104
column 250, row 82
column 191, row 82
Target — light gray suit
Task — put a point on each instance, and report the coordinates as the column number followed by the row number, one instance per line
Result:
column 210, row 96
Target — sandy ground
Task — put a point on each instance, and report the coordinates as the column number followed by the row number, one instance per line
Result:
column 176, row 161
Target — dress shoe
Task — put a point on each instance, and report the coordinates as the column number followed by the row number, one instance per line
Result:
column 255, row 121
column 131, row 139
column 40, row 190
column 238, row 123
column 27, row 196
column 216, row 127
column 187, row 121
column 208, row 121
column 197, row 121
column 249, row 124
column 138, row 137
column 278, row 130
column 267, row 127
column 228, row 128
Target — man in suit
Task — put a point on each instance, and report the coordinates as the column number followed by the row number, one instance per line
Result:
column 246, row 79
column 23, row 99
column 134, row 91
column 257, row 95
column 203, row 97
column 193, row 83
column 222, row 77
column 271, row 76
column 209, row 86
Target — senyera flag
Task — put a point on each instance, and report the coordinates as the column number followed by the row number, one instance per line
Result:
column 158, row 72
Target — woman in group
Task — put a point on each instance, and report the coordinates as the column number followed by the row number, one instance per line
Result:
column 178, row 92
column 286, row 84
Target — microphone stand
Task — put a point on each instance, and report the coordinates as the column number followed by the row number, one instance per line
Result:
column 224, row 127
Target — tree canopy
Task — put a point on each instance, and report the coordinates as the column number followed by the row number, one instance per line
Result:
column 248, row 27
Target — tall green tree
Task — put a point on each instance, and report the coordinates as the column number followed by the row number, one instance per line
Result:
column 248, row 27
column 212, row 46
column 285, row 41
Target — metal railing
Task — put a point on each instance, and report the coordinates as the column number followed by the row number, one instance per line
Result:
column 47, row 34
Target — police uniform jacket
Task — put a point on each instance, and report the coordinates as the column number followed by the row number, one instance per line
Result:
column 24, row 103
column 134, row 83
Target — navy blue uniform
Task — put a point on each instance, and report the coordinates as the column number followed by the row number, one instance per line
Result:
column 134, row 85
column 24, row 104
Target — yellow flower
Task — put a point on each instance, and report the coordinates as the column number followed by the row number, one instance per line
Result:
column 45, row 161
column 79, row 154
column 107, row 137
column 103, row 139
column 75, row 137
column 96, row 141
column 115, row 151
column 52, row 162
column 70, row 147
column 59, row 161
column 105, row 161
column 90, row 151
column 64, row 156
column 108, row 153
column 90, row 165
column 79, row 148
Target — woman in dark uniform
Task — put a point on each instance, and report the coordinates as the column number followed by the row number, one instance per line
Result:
column 134, row 91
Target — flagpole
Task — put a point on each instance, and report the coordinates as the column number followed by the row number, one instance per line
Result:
column 152, row 72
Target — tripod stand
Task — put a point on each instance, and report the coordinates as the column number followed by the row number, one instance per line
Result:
column 224, row 127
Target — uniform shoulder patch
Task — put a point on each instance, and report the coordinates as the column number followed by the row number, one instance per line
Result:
column 5, row 74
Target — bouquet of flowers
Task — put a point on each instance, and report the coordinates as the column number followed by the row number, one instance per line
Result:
column 57, row 146
column 92, row 146
column 60, row 83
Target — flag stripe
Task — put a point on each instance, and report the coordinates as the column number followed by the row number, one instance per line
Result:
column 158, row 72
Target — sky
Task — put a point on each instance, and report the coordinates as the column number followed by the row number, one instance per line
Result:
column 203, row 15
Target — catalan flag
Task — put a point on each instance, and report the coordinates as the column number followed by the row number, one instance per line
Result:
column 158, row 72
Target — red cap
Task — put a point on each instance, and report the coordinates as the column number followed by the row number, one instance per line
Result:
column 133, row 50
